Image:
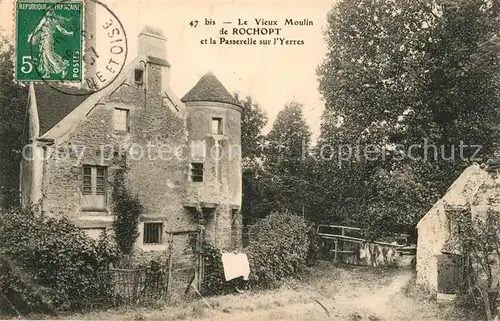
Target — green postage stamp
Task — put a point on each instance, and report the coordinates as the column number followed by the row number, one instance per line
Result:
column 49, row 40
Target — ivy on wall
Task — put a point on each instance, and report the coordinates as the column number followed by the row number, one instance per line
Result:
column 126, row 210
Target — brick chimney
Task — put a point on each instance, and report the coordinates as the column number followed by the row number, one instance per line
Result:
column 153, row 44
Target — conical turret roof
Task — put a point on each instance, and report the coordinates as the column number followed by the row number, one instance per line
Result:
column 209, row 88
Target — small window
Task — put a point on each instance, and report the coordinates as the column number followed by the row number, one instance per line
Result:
column 87, row 180
column 197, row 172
column 100, row 181
column 94, row 188
column 139, row 75
column 153, row 233
column 121, row 120
column 217, row 125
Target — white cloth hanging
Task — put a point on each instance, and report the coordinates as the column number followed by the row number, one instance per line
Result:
column 235, row 265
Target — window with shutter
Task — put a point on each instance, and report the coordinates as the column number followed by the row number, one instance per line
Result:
column 94, row 188
column 87, row 180
column 100, row 181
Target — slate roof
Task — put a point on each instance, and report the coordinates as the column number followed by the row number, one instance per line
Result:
column 210, row 89
column 54, row 105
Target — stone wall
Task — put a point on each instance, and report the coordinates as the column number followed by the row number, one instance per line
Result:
column 155, row 173
column 433, row 231
column 26, row 175
column 158, row 180
column 63, row 168
column 156, row 156
column 222, row 181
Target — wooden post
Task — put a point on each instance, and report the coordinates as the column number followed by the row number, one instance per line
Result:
column 336, row 242
column 171, row 250
column 200, row 260
column 342, row 242
column 134, row 285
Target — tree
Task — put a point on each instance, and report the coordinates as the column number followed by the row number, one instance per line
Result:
column 399, row 74
column 13, row 102
column 253, row 119
column 396, row 203
column 285, row 160
column 288, row 139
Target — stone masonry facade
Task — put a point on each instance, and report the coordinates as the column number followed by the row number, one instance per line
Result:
column 166, row 150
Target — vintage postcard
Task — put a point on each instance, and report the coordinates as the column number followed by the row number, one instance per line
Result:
column 250, row 160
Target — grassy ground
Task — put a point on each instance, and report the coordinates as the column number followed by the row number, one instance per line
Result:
column 327, row 293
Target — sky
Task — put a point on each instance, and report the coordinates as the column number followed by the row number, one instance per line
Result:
column 271, row 75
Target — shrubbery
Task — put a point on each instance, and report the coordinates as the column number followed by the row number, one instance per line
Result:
column 278, row 249
column 214, row 281
column 49, row 265
column 478, row 243
column 280, row 246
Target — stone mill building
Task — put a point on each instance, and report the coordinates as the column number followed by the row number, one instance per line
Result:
column 180, row 157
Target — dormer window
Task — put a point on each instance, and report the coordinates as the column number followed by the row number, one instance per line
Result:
column 121, row 120
column 139, row 76
column 217, row 125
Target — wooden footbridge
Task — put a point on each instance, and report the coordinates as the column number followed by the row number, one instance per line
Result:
column 347, row 244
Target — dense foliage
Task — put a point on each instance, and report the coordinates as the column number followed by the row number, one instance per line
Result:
column 278, row 248
column 281, row 246
column 50, row 265
column 276, row 178
column 399, row 74
column 411, row 93
column 13, row 104
column 214, row 282
column 126, row 210
column 253, row 120
column 477, row 240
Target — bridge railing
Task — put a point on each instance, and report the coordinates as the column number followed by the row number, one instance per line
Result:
column 347, row 240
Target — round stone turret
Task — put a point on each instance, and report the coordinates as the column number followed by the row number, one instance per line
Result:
column 215, row 178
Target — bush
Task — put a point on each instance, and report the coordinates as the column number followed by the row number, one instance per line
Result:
column 278, row 249
column 280, row 246
column 49, row 265
column 214, row 281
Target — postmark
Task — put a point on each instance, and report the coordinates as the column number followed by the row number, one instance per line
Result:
column 49, row 41
column 102, row 54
